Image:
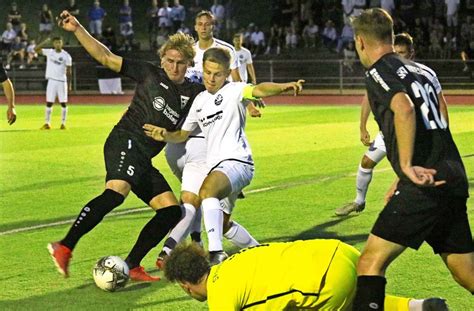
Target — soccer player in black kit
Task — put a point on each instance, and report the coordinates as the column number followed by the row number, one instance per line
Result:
column 162, row 97
column 429, row 200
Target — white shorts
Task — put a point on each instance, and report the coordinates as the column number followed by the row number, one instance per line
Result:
column 55, row 89
column 377, row 149
column 188, row 163
column 45, row 27
column 240, row 174
column 228, row 203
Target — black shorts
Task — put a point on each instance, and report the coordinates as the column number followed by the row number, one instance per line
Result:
column 126, row 159
column 414, row 215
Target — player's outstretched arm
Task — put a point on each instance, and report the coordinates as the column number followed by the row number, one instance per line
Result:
column 96, row 49
column 161, row 134
column 269, row 88
column 364, row 117
column 39, row 47
column 10, row 95
column 405, row 129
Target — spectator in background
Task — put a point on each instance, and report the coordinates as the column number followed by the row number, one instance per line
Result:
column 96, row 17
column 291, row 38
column 347, row 35
column 23, row 34
column 257, row 41
column 231, row 25
column 449, row 45
column 349, row 56
column 14, row 17
column 388, row 5
column 184, row 29
column 218, row 10
column 452, row 7
column 31, row 54
column 310, row 34
column 125, row 19
column 306, row 11
column 8, row 36
column 276, row 39
column 329, row 35
column 164, row 16
column 244, row 56
column 153, row 23
column 17, row 51
column 406, row 11
column 435, row 43
column 467, row 56
column 127, row 35
column 109, row 39
column 46, row 22
column 178, row 15
column 73, row 9
column 347, row 10
column 194, row 9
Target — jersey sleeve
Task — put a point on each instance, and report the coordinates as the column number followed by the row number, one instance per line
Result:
column 383, row 84
column 249, row 57
column 191, row 121
column 3, row 75
column 45, row 52
column 68, row 60
column 136, row 70
column 234, row 62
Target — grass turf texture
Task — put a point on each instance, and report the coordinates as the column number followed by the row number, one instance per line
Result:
column 306, row 159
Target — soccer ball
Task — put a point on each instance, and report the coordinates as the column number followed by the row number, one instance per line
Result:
column 110, row 273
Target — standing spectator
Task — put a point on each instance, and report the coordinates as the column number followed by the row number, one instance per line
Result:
column 125, row 19
column 178, row 15
column 46, row 22
column 73, row 9
column 8, row 36
column 109, row 39
column 218, row 10
column 347, row 35
column 127, row 35
column 276, row 39
column 14, row 17
column 388, row 5
column 184, row 29
column 467, row 56
column 23, row 34
column 452, row 7
column 435, row 43
column 257, row 40
column 310, row 34
column 31, row 54
column 17, row 51
column 9, row 92
column 96, row 17
column 153, row 23
column 164, row 16
column 347, row 9
column 329, row 35
column 246, row 68
column 58, row 74
column 349, row 56
column 449, row 45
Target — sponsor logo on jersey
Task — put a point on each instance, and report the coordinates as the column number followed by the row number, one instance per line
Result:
column 376, row 76
column 211, row 118
column 218, row 100
column 184, row 101
column 164, row 85
column 171, row 114
column 159, row 103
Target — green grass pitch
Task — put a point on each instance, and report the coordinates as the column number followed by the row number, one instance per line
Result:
column 306, row 159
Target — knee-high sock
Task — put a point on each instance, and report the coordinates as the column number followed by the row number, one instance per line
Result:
column 91, row 215
column 63, row 115
column 370, row 293
column 196, row 226
column 213, row 221
column 181, row 230
column 47, row 115
column 364, row 176
column 153, row 232
column 239, row 236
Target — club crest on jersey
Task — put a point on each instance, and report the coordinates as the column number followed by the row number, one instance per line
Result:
column 159, row 103
column 184, row 101
column 218, row 100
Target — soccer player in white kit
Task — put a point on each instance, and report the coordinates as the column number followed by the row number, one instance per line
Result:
column 403, row 44
column 187, row 160
column 220, row 114
column 246, row 68
column 58, row 74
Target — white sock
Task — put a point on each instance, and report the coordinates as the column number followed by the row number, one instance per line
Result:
column 415, row 304
column 213, row 221
column 364, row 176
column 48, row 112
column 196, row 225
column 181, row 230
column 239, row 236
column 63, row 115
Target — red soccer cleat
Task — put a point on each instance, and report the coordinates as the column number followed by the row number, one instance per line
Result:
column 160, row 261
column 61, row 256
column 139, row 274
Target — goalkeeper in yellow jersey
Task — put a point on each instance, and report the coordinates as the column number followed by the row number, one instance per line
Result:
column 312, row 274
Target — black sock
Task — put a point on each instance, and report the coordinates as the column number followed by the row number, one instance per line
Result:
column 196, row 237
column 154, row 231
column 91, row 215
column 370, row 293
column 170, row 243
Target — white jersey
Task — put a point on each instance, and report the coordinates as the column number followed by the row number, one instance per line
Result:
column 56, row 64
column 195, row 73
column 245, row 58
column 221, row 117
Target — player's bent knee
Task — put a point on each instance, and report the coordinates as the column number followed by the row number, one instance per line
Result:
column 190, row 198
column 367, row 162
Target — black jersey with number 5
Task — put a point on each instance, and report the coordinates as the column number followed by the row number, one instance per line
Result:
column 434, row 145
column 157, row 100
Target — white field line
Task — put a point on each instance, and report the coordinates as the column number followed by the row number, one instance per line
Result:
column 142, row 209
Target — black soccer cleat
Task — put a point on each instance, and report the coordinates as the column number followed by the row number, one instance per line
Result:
column 216, row 258
column 434, row 304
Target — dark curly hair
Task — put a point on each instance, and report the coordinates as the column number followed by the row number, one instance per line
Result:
column 187, row 263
